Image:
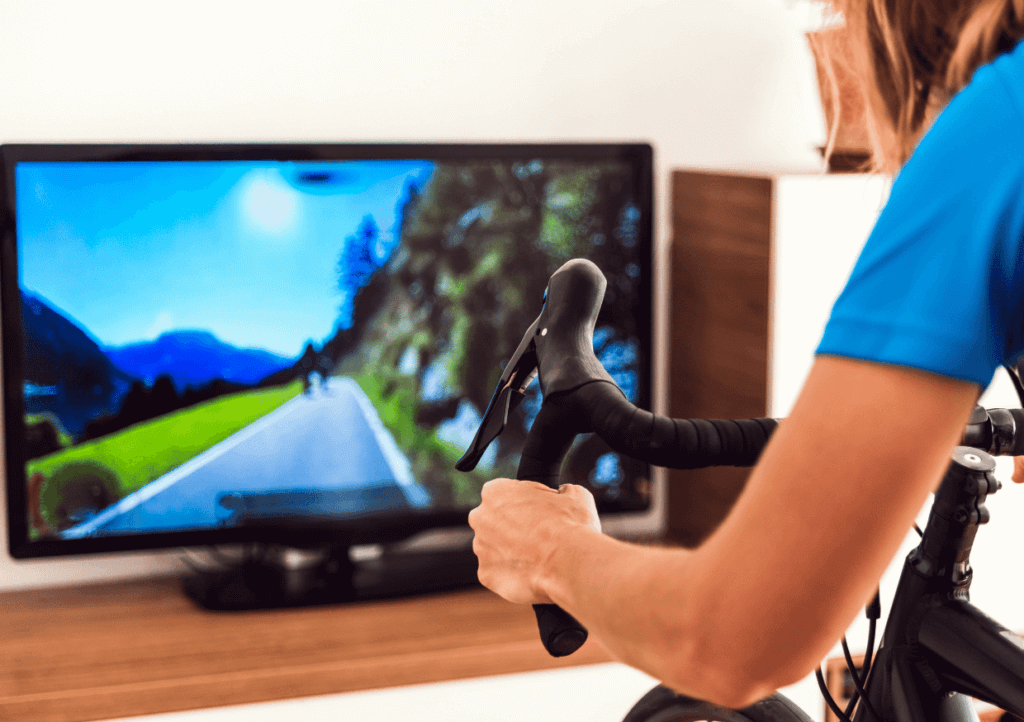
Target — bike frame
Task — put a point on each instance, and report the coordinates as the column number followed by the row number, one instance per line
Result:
column 937, row 647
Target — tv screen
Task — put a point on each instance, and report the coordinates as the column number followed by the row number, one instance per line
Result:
column 198, row 337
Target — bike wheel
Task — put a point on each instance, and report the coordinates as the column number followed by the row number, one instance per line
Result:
column 663, row 705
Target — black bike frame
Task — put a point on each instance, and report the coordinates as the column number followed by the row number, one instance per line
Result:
column 937, row 648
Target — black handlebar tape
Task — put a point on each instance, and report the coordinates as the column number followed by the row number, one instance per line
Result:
column 547, row 443
column 667, row 442
column 572, row 374
column 1015, row 447
column 580, row 396
column 999, row 432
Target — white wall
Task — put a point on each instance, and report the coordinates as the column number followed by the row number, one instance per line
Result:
column 723, row 84
column 718, row 83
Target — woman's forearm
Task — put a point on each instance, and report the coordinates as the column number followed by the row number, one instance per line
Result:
column 648, row 607
column 636, row 601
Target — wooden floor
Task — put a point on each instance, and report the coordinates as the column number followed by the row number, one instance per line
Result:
column 132, row 648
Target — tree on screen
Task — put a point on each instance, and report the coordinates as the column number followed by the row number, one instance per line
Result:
column 477, row 246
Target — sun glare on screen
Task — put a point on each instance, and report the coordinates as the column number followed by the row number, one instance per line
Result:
column 270, row 206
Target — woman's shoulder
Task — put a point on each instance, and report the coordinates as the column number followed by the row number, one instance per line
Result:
column 999, row 82
column 976, row 144
column 1008, row 71
column 940, row 283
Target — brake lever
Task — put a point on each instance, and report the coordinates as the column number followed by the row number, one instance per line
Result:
column 560, row 340
column 519, row 372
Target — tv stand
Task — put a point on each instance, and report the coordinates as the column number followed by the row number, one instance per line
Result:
column 141, row 647
column 275, row 577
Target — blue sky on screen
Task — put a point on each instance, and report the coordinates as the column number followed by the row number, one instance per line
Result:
column 245, row 250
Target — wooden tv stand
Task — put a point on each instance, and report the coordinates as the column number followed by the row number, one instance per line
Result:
column 132, row 648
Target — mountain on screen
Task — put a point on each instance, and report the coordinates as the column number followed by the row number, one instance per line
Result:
column 66, row 373
column 195, row 358
column 59, row 351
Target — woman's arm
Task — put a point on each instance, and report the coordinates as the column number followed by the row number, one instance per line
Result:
column 759, row 604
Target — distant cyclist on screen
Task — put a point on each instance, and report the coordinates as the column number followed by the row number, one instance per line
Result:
column 934, row 305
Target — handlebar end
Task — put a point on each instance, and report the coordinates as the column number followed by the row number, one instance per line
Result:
column 566, row 642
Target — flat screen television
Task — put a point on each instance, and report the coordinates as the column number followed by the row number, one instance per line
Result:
column 293, row 344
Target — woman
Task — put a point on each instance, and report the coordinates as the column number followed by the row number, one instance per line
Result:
column 933, row 307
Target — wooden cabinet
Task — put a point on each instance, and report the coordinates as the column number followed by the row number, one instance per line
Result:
column 133, row 648
column 756, row 262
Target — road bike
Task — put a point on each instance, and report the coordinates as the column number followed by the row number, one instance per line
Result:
column 937, row 650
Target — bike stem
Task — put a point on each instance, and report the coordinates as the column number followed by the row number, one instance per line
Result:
column 903, row 685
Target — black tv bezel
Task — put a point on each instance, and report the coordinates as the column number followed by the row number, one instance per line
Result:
column 370, row 529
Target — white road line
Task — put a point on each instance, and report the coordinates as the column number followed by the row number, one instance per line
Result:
column 416, row 495
column 154, row 487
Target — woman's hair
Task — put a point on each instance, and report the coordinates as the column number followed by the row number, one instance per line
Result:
column 913, row 56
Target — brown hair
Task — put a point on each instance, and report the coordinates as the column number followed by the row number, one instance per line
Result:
column 912, row 56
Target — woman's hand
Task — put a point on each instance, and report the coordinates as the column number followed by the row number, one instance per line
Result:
column 518, row 525
column 1018, row 469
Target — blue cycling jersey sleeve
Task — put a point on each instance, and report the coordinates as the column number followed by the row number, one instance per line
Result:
column 939, row 285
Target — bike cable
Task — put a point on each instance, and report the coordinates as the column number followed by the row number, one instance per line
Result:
column 865, row 669
column 858, row 681
column 829, row 700
column 872, row 611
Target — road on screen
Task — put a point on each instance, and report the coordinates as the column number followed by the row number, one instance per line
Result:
column 327, row 448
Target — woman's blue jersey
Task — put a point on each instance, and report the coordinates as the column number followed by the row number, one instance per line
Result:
column 939, row 285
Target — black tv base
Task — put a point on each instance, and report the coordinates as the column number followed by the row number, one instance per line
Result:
column 263, row 580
